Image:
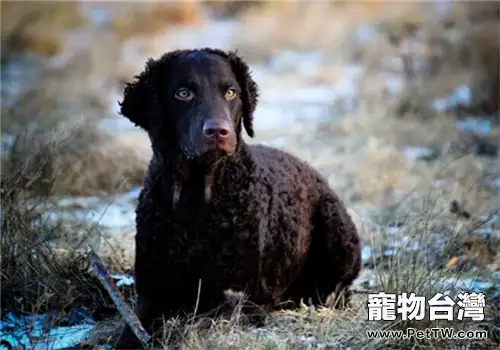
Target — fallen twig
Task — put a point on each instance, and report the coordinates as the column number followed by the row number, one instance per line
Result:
column 361, row 291
column 125, row 310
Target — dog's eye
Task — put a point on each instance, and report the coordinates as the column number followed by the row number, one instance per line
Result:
column 183, row 94
column 230, row 94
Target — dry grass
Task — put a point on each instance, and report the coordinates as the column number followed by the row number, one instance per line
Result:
column 31, row 26
column 323, row 327
column 435, row 53
column 38, row 276
column 152, row 18
column 366, row 164
column 316, row 25
column 423, row 214
column 35, row 276
column 418, row 204
column 79, row 159
column 432, row 52
column 61, row 115
column 78, row 88
column 36, row 27
column 308, row 329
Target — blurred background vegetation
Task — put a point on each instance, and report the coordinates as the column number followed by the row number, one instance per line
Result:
column 62, row 62
column 401, row 76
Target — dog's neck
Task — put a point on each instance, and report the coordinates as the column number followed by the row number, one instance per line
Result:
column 193, row 173
column 181, row 173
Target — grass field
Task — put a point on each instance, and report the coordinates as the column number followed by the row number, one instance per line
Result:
column 417, row 165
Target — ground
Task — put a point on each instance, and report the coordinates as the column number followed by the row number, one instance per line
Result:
column 400, row 122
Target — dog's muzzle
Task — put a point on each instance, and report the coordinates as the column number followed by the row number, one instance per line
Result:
column 217, row 135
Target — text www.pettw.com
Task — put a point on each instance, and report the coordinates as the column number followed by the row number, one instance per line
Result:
column 428, row 333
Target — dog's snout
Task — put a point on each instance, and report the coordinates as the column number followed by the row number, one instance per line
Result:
column 218, row 137
column 217, row 129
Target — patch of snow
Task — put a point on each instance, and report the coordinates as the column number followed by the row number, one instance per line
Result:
column 476, row 125
column 491, row 226
column 396, row 244
column 415, row 153
column 132, row 195
column 123, row 280
column 365, row 33
column 316, row 94
column 407, row 243
column 99, row 13
column 394, row 84
column 390, row 252
column 303, row 106
column 297, row 117
column 303, row 63
column 278, row 142
column 366, row 253
column 346, row 90
column 460, row 96
column 453, row 285
column 19, row 74
column 443, row 183
column 493, row 183
column 64, row 337
column 306, row 340
column 113, row 100
column 216, row 34
column 123, row 127
column 261, row 74
column 443, row 7
column 392, row 230
column 112, row 215
column 22, row 332
column 6, row 144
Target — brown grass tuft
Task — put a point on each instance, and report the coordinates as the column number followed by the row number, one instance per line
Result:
column 79, row 159
column 35, row 26
column 154, row 17
column 36, row 276
column 432, row 52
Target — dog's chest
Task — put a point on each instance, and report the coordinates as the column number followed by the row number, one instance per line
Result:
column 227, row 219
column 212, row 240
column 217, row 220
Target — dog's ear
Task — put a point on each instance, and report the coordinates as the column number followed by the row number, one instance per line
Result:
column 139, row 97
column 250, row 90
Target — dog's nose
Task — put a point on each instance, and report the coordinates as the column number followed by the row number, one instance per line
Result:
column 217, row 129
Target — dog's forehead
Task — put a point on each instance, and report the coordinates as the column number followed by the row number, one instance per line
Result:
column 196, row 55
column 207, row 63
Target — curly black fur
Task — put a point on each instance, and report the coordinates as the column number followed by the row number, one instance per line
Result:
column 272, row 228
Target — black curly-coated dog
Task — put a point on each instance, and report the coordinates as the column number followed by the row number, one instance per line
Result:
column 221, row 214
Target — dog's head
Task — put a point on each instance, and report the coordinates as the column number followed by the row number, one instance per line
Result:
column 193, row 103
